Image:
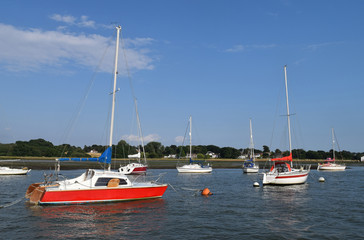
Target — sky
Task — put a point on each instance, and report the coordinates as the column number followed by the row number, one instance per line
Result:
column 221, row 62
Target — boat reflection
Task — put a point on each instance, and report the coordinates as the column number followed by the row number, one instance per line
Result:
column 284, row 207
column 108, row 220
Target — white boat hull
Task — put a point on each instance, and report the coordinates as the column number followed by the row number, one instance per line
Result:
column 194, row 168
column 13, row 171
column 133, row 168
column 285, row 178
column 254, row 169
column 335, row 167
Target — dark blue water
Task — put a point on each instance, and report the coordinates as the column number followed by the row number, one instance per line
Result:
column 236, row 210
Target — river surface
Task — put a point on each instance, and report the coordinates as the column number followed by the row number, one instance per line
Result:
column 333, row 209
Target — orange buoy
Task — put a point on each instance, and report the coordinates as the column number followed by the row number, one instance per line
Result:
column 206, row 192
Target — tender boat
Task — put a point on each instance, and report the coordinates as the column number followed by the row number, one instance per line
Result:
column 133, row 168
column 95, row 186
column 281, row 172
column 249, row 166
column 330, row 164
column 194, row 166
column 138, row 167
column 14, row 171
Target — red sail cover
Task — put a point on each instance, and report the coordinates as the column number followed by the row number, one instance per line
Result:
column 287, row 158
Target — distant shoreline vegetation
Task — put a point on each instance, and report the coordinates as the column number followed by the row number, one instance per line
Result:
column 43, row 148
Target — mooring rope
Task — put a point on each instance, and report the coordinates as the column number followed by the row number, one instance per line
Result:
column 12, row 203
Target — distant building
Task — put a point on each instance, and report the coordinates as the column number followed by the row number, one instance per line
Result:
column 94, row 153
column 171, row 156
column 247, row 156
column 212, row 155
column 362, row 159
column 194, row 155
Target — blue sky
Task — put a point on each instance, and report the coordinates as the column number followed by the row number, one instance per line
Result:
column 219, row 61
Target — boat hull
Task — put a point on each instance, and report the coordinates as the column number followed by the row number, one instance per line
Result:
column 13, row 171
column 290, row 178
column 250, row 169
column 133, row 169
column 331, row 168
column 194, row 168
column 51, row 196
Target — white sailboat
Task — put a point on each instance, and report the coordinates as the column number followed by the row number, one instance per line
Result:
column 249, row 166
column 330, row 164
column 14, row 171
column 136, row 167
column 283, row 173
column 194, row 166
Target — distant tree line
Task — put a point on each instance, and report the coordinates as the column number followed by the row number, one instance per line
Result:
column 43, row 148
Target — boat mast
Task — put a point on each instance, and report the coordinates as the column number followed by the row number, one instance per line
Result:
column 288, row 120
column 251, row 140
column 333, row 143
column 140, row 133
column 118, row 29
column 190, row 137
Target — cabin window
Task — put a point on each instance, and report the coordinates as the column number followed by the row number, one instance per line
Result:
column 104, row 181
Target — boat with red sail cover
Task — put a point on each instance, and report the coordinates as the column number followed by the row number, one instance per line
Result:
column 282, row 171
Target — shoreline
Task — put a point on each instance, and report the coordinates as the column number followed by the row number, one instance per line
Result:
column 42, row 163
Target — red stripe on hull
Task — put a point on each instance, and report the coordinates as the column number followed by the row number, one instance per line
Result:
column 295, row 176
column 101, row 195
column 139, row 170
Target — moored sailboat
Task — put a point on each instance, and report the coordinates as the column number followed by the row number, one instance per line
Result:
column 95, row 185
column 249, row 166
column 194, row 166
column 14, row 171
column 282, row 172
column 138, row 167
column 330, row 164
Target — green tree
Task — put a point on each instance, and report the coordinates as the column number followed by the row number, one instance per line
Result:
column 154, row 149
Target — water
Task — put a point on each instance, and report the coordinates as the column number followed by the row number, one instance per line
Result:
column 236, row 210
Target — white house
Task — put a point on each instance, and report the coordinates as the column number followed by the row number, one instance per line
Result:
column 212, row 155
column 362, row 159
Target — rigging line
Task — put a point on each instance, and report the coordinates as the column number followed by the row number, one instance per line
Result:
column 133, row 94
column 275, row 117
column 337, row 143
column 71, row 125
column 183, row 141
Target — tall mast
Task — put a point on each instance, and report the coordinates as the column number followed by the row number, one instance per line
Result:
column 118, row 29
column 251, row 140
column 288, row 120
column 333, row 143
column 190, row 137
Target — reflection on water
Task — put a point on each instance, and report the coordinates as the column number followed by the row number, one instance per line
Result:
column 286, row 206
column 107, row 220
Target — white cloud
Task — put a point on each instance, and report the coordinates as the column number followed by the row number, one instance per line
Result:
column 34, row 49
column 179, row 139
column 65, row 19
column 71, row 20
column 236, row 48
column 86, row 23
column 314, row 47
column 148, row 138
column 241, row 48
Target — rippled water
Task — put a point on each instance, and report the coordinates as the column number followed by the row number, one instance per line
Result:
column 236, row 210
